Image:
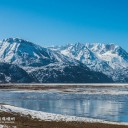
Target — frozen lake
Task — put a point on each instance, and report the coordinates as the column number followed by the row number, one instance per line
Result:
column 109, row 104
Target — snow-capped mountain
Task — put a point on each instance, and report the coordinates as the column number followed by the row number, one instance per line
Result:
column 45, row 65
column 82, row 53
column 25, row 53
column 109, row 59
column 114, row 55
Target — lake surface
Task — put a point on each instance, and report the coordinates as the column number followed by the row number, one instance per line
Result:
column 106, row 104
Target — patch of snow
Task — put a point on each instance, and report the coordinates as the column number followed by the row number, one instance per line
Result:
column 51, row 117
column 7, row 78
column 1, row 126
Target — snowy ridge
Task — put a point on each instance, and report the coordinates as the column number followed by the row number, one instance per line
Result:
column 111, row 53
column 24, row 53
column 51, row 117
column 109, row 59
column 44, row 65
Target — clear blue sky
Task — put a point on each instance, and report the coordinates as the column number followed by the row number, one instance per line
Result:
column 57, row 22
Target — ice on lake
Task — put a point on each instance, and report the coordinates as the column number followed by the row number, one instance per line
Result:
column 99, row 103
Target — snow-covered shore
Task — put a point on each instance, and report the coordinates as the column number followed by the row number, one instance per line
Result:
column 51, row 117
column 1, row 126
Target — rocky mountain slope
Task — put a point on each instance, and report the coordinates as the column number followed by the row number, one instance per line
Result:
column 65, row 73
column 45, row 65
column 10, row 73
column 109, row 59
column 24, row 53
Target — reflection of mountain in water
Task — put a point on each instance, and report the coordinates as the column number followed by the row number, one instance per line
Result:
column 106, row 107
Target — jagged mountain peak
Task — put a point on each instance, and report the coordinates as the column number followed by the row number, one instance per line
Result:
column 90, row 46
column 17, row 40
column 12, row 40
column 110, row 53
column 47, row 65
column 78, row 44
column 106, row 58
column 102, row 46
column 24, row 53
column 65, row 60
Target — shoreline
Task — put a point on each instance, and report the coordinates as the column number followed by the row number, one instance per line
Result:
column 46, row 86
column 31, row 119
column 38, row 119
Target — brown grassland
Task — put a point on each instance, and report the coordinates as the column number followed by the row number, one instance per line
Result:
column 27, row 122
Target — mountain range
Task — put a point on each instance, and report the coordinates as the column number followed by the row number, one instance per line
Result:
column 110, row 59
column 22, row 61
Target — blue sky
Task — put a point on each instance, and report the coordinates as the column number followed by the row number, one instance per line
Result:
column 58, row 22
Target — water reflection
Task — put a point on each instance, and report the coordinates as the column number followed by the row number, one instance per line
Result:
column 107, row 107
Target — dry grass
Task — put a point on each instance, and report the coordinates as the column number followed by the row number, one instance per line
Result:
column 27, row 122
column 46, row 87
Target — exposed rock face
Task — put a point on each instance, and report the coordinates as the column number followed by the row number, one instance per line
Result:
column 10, row 73
column 43, row 65
column 109, row 59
